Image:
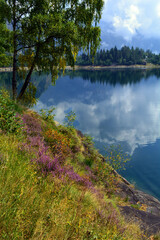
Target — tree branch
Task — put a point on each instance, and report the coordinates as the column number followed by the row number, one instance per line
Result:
column 31, row 46
column 25, row 12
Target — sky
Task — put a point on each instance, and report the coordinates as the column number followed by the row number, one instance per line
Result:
column 127, row 17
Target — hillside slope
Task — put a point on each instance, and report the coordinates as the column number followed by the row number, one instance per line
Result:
column 55, row 184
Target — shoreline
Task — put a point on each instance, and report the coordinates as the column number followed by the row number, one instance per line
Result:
column 89, row 67
column 117, row 67
column 6, row 69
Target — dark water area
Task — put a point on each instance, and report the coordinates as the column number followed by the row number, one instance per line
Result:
column 114, row 107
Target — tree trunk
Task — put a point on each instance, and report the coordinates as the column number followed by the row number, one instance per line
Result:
column 27, row 80
column 14, row 80
column 28, row 77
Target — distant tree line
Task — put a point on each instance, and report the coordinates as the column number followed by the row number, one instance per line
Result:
column 124, row 56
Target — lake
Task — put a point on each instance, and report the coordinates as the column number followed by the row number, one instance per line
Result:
column 114, row 107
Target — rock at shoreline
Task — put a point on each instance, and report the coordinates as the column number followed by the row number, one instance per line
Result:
column 143, row 208
column 148, row 222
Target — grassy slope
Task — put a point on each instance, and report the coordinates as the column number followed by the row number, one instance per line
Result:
column 55, row 185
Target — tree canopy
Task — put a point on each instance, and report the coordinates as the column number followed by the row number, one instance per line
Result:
column 5, row 46
column 47, row 34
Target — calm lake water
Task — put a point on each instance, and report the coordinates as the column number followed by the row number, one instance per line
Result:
column 114, row 107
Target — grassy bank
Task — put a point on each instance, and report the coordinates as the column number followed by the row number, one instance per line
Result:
column 54, row 183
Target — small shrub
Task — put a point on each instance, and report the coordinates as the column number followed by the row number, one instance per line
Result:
column 59, row 143
column 136, row 206
column 47, row 114
column 89, row 161
column 88, row 142
column 71, row 134
column 32, row 125
column 116, row 157
column 69, row 119
column 10, row 121
column 29, row 97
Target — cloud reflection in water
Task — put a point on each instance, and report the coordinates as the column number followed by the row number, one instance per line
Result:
column 111, row 114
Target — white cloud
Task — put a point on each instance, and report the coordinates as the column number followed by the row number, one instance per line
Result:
column 104, row 45
column 127, row 17
column 158, row 10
